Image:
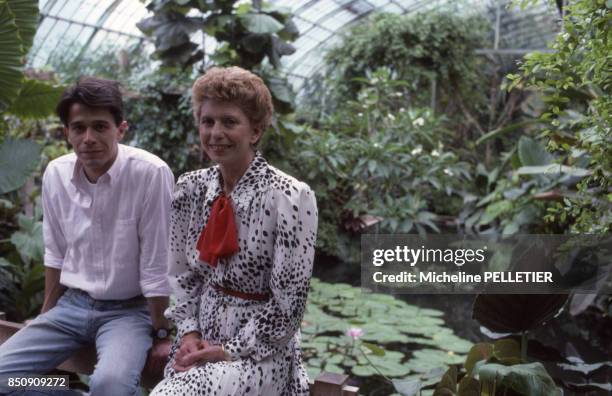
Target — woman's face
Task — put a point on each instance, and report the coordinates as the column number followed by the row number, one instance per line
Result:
column 226, row 133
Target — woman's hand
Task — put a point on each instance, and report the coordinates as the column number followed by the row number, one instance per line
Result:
column 190, row 343
column 209, row 353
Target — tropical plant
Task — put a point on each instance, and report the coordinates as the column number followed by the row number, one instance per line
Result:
column 433, row 51
column 495, row 369
column 21, row 99
column 246, row 34
column 21, row 241
column 376, row 162
column 161, row 120
column 21, row 265
column 575, row 80
column 517, row 194
column 501, row 367
column 19, row 95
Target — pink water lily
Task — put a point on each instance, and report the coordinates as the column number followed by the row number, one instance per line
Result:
column 354, row 332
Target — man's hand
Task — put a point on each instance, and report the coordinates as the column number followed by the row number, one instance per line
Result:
column 158, row 356
column 53, row 289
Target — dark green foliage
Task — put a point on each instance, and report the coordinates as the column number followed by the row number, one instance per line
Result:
column 161, row 121
column 416, row 48
column 21, row 262
column 576, row 81
column 36, row 100
column 18, row 158
column 249, row 35
column 18, row 19
column 506, row 313
column 376, row 162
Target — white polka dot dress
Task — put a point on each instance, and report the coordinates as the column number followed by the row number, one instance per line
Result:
column 276, row 218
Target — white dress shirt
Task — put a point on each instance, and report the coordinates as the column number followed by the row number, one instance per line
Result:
column 110, row 239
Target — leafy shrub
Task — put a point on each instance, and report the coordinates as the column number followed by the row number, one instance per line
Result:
column 376, row 162
column 418, row 48
column 575, row 81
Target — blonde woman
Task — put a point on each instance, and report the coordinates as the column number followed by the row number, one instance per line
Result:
column 241, row 252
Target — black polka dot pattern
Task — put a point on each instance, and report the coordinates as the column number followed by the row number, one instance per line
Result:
column 276, row 217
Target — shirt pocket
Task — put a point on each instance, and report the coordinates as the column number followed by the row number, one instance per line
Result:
column 126, row 246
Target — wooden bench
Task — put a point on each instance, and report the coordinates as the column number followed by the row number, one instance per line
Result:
column 83, row 361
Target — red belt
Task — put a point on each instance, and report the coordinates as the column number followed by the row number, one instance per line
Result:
column 239, row 294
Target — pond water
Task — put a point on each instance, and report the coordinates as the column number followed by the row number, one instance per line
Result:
column 587, row 336
column 457, row 308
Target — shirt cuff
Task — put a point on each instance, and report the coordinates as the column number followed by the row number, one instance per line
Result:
column 185, row 326
column 53, row 262
column 156, row 287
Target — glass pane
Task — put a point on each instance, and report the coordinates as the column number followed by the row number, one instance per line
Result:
column 96, row 11
column 392, row 7
column 378, row 3
column 317, row 11
column 57, row 7
column 302, row 24
column 318, row 34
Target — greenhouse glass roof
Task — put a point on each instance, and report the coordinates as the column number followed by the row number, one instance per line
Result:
column 75, row 28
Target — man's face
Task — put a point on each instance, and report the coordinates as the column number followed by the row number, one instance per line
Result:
column 94, row 136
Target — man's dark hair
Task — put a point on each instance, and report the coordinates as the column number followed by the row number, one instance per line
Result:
column 92, row 92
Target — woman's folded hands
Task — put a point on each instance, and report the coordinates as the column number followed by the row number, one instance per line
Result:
column 194, row 351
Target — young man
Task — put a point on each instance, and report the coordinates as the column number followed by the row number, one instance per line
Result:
column 105, row 228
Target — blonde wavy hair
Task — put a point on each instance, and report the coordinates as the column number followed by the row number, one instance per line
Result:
column 238, row 86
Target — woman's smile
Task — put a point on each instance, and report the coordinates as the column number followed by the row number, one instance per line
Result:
column 219, row 147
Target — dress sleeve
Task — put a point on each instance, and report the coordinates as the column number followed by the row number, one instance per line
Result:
column 187, row 284
column 268, row 331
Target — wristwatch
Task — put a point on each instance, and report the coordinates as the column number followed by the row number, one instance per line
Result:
column 161, row 333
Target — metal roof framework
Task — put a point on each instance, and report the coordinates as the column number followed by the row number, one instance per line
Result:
column 74, row 28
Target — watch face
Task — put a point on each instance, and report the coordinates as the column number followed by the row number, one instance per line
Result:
column 161, row 333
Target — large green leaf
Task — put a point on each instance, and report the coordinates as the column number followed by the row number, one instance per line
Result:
column 280, row 89
column 11, row 74
column 480, row 351
column 532, row 153
column 290, row 31
column 410, row 387
column 260, row 23
column 18, row 158
column 255, row 43
column 170, row 30
column 29, row 241
column 26, row 19
column 278, row 49
column 515, row 313
column 36, row 100
column 526, row 379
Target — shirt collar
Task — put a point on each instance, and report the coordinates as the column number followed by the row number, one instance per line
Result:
column 115, row 169
column 252, row 181
column 112, row 173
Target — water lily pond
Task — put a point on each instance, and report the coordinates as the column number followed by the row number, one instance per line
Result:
column 376, row 338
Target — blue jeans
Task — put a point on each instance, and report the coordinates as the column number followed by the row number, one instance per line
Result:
column 121, row 331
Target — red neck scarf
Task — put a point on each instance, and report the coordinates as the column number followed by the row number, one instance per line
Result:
column 219, row 238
